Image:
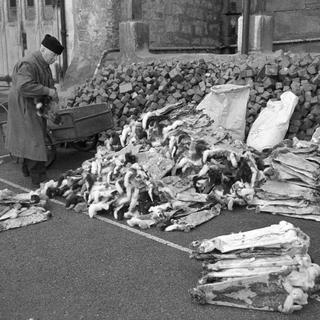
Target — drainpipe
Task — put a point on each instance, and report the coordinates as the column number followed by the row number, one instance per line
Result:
column 245, row 26
column 63, row 37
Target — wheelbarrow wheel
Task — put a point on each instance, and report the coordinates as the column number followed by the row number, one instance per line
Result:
column 86, row 144
column 51, row 151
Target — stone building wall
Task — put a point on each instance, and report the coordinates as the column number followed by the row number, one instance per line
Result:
column 97, row 24
column 183, row 23
column 188, row 23
column 295, row 19
column 95, row 29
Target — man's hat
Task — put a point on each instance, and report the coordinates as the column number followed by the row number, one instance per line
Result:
column 52, row 44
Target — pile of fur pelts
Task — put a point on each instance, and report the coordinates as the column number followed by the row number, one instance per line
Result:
column 167, row 168
column 217, row 165
column 264, row 269
column 22, row 209
column 292, row 188
column 116, row 184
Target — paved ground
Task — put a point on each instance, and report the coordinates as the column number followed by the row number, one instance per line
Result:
column 73, row 267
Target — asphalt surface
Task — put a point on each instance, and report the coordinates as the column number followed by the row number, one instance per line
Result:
column 74, row 267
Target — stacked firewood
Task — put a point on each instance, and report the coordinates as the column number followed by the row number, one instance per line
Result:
column 19, row 210
column 293, row 181
column 136, row 88
column 263, row 269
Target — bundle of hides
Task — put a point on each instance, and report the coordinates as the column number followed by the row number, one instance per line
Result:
column 264, row 269
column 292, row 187
column 168, row 168
column 19, row 210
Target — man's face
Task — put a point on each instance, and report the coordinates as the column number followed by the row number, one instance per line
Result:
column 49, row 56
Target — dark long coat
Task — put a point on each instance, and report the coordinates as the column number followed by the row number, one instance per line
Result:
column 31, row 78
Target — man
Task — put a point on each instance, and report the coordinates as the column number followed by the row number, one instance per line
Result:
column 26, row 131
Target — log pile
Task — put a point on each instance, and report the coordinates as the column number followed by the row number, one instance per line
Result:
column 19, row 210
column 264, row 269
column 293, row 181
column 140, row 87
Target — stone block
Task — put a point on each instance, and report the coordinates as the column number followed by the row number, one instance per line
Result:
column 271, row 70
column 308, row 96
column 316, row 80
column 197, row 98
column 260, row 89
column 177, row 95
column 246, row 73
column 312, row 69
column 171, row 99
column 117, row 104
column 302, row 73
column 293, row 71
column 175, row 74
column 307, row 86
column 314, row 100
column 125, row 87
column 113, row 96
column 202, row 86
column 268, row 83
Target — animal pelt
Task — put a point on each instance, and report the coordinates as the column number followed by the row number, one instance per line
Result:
column 154, row 130
column 112, row 141
column 130, row 158
column 44, row 109
column 144, row 203
column 196, row 149
column 72, row 200
column 243, row 171
column 42, row 105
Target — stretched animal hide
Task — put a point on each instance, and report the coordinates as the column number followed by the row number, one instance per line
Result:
column 25, row 220
column 276, row 236
column 19, row 210
column 264, row 269
column 265, row 292
column 194, row 219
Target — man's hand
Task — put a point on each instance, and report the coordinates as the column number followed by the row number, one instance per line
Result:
column 52, row 92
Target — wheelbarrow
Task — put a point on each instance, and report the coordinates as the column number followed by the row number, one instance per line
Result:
column 79, row 127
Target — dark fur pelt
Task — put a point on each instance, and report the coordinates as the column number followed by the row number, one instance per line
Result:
column 42, row 105
column 73, row 199
column 130, row 158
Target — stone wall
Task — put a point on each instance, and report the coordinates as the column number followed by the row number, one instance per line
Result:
column 97, row 25
column 182, row 23
column 295, row 19
column 96, row 29
column 188, row 23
